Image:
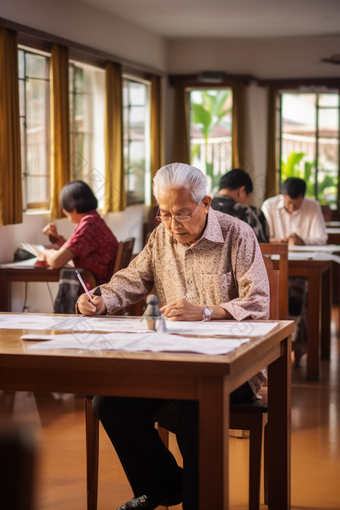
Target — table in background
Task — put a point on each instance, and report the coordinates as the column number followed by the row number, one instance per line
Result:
column 208, row 379
column 319, row 275
column 22, row 274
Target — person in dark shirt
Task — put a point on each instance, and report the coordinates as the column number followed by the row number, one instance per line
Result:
column 233, row 198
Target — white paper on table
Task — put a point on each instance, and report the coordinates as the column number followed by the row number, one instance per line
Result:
column 40, row 322
column 152, row 341
column 326, row 248
column 234, row 329
column 21, row 264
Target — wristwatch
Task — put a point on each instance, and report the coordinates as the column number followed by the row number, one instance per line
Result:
column 207, row 313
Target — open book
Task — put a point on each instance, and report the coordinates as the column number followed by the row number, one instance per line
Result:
column 34, row 249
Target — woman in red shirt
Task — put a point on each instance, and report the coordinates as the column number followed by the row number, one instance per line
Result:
column 92, row 246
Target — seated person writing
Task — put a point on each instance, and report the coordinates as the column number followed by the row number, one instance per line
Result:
column 233, row 198
column 92, row 246
column 213, row 260
column 294, row 218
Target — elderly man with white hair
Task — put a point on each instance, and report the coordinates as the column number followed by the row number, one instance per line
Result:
column 203, row 265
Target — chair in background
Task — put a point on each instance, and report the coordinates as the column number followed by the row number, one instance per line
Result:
column 281, row 250
column 124, row 254
column 243, row 416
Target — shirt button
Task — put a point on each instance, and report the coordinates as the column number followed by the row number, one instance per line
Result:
column 189, row 282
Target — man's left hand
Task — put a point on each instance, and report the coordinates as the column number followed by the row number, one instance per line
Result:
column 182, row 310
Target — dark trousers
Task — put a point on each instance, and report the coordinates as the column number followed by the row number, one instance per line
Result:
column 149, row 466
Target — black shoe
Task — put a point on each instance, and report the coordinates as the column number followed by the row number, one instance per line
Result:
column 144, row 502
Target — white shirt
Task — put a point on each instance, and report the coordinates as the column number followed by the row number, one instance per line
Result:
column 307, row 222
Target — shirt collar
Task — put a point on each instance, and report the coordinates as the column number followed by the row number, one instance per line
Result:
column 281, row 205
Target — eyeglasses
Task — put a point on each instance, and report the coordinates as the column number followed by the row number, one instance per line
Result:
column 180, row 219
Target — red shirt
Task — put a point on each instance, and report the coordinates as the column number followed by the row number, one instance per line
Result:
column 94, row 245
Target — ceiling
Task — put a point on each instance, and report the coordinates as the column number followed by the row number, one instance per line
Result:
column 228, row 18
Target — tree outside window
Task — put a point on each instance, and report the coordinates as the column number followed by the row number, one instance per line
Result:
column 211, row 133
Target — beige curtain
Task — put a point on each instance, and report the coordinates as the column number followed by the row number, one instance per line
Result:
column 10, row 153
column 115, row 197
column 60, row 126
column 156, row 128
column 273, row 177
column 181, row 152
column 238, row 140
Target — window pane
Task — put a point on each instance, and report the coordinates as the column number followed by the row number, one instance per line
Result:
column 211, row 133
column 22, row 97
column 36, row 129
column 21, row 64
column 36, row 66
column 38, row 189
column 137, row 122
column 36, row 103
column 328, row 99
column 328, row 154
column 137, row 94
column 298, row 143
column 327, row 187
column 328, row 122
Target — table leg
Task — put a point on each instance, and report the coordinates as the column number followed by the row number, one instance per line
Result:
column 5, row 294
column 326, row 309
column 213, row 443
column 313, row 324
column 279, row 430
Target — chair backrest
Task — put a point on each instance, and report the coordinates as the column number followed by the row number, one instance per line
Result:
column 280, row 249
column 89, row 277
column 124, row 254
column 274, row 285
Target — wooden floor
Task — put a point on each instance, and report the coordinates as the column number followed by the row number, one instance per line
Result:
column 59, row 420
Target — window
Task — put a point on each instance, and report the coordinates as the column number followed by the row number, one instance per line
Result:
column 309, row 149
column 211, row 133
column 87, row 107
column 34, row 101
column 136, row 120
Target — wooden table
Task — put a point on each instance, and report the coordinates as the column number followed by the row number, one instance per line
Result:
column 208, row 379
column 319, row 275
column 22, row 274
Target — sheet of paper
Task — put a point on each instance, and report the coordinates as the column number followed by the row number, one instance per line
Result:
column 41, row 322
column 233, row 329
column 21, row 264
column 153, row 342
column 326, row 248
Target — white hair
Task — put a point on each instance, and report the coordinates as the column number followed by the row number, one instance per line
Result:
column 179, row 176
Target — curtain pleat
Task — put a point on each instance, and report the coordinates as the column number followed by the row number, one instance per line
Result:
column 115, row 197
column 238, row 140
column 156, row 128
column 60, row 126
column 273, row 177
column 181, row 152
column 10, row 152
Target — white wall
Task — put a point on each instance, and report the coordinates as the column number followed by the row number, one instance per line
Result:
column 85, row 24
column 263, row 58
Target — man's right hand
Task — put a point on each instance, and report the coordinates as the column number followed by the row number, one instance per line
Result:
column 94, row 307
column 51, row 231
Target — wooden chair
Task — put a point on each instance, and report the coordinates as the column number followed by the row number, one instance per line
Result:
column 250, row 418
column 124, row 254
column 281, row 250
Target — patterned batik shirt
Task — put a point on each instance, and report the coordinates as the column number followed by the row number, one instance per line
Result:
column 249, row 214
column 224, row 267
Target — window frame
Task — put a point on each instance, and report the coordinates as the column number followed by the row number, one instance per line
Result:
column 317, row 137
column 147, row 140
column 43, row 205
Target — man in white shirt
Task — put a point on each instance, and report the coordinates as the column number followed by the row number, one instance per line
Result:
column 294, row 218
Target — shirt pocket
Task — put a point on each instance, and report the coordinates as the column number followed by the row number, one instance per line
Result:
column 214, row 289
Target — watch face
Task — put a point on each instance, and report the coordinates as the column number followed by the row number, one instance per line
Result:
column 207, row 312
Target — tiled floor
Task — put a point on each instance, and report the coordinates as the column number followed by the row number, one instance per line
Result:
column 61, row 481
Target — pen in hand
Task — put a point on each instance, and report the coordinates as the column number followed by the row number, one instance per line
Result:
column 85, row 288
